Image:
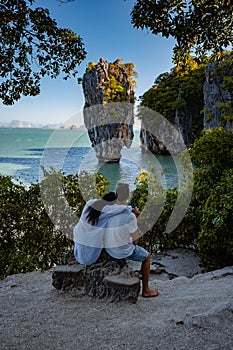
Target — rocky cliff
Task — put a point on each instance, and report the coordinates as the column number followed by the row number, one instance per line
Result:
column 186, row 118
column 182, row 128
column 216, row 98
column 108, row 110
column 204, row 88
column 158, row 135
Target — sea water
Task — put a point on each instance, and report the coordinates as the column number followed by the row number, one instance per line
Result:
column 23, row 153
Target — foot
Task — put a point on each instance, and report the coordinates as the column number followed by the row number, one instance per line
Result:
column 150, row 293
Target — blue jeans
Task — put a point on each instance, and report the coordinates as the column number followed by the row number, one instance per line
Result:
column 139, row 254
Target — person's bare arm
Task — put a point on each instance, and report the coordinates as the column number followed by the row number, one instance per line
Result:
column 135, row 237
column 136, row 212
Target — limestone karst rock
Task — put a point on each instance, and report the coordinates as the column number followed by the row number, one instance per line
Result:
column 158, row 135
column 212, row 108
column 215, row 95
column 108, row 110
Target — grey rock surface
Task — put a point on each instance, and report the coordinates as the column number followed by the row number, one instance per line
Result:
column 172, row 263
column 214, row 94
column 189, row 314
column 158, row 135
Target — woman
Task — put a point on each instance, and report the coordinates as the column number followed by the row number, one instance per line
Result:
column 89, row 231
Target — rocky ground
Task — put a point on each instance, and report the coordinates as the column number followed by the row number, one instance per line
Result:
column 190, row 312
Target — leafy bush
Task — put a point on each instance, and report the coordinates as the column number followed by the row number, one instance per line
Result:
column 11, row 212
column 155, row 204
column 211, row 202
column 159, row 206
column 212, row 155
column 29, row 240
column 215, row 240
column 213, row 152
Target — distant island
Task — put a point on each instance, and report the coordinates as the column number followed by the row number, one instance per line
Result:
column 26, row 124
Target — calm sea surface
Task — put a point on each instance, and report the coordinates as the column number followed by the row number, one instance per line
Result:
column 24, row 151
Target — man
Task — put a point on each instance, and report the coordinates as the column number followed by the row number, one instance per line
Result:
column 121, row 237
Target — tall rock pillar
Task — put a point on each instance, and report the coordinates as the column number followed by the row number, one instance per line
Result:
column 108, row 111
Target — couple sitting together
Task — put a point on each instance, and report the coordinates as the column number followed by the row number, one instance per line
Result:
column 111, row 224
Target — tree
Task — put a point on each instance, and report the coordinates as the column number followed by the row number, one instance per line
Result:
column 198, row 26
column 31, row 47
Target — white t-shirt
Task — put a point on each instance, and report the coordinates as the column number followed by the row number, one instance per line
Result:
column 118, row 235
column 89, row 239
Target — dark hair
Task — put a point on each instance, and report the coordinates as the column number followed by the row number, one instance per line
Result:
column 95, row 209
column 122, row 191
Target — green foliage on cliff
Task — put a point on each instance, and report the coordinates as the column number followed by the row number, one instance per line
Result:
column 116, row 91
column 118, row 81
column 90, row 66
column 180, row 90
column 213, row 152
column 210, row 212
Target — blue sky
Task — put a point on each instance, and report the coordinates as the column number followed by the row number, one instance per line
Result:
column 106, row 29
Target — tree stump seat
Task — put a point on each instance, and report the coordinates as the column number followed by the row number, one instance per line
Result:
column 108, row 278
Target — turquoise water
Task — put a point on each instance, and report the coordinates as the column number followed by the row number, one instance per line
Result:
column 24, row 151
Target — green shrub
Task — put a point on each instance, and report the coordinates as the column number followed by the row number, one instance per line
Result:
column 11, row 211
column 29, row 240
column 156, row 205
column 213, row 152
column 212, row 196
column 215, row 240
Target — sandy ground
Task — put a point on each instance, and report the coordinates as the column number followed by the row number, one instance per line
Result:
column 189, row 313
